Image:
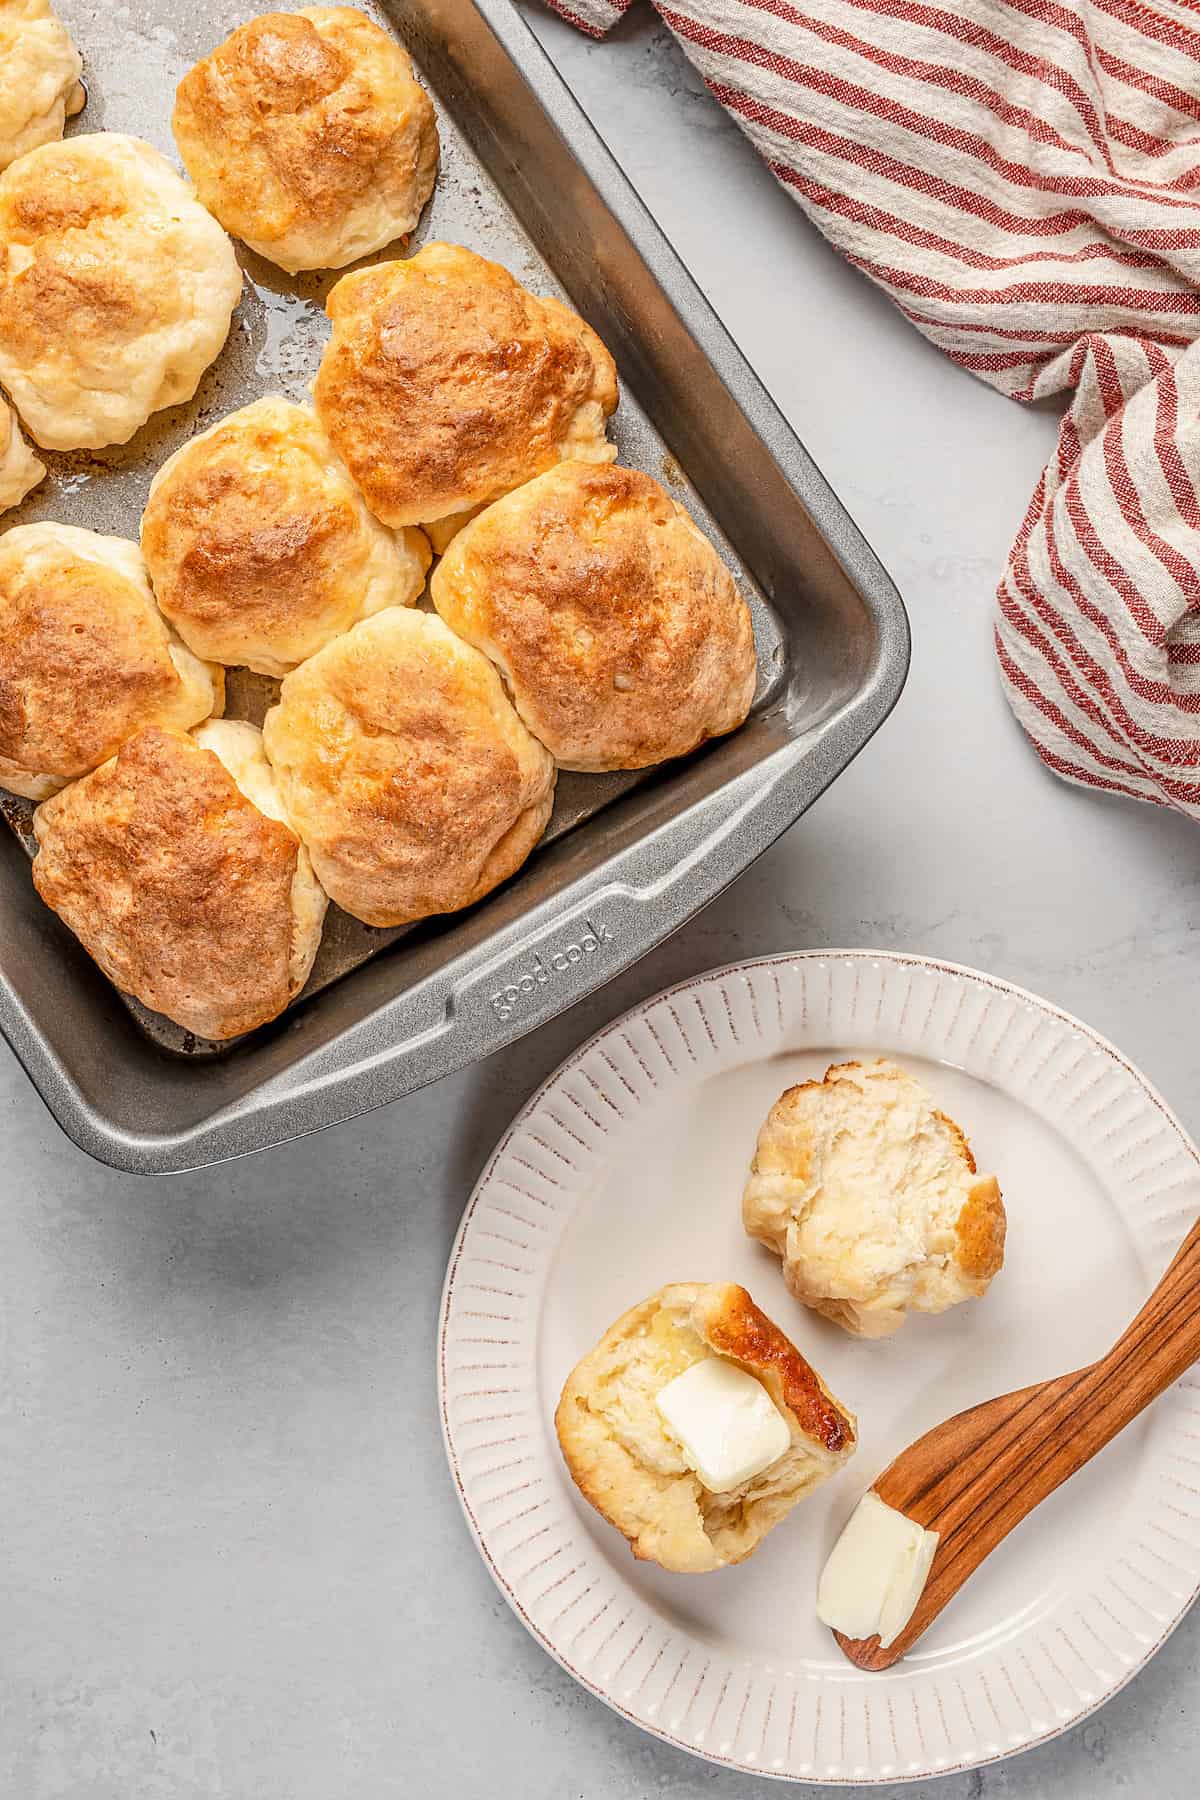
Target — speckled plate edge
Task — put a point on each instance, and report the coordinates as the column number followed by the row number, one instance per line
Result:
column 503, row 1461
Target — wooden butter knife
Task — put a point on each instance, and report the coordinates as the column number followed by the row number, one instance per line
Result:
column 975, row 1477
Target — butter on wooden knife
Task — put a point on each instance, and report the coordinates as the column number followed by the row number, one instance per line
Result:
column 876, row 1572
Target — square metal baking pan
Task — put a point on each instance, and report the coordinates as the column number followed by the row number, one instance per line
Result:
column 627, row 859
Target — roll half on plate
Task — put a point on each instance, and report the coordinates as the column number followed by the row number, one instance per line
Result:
column 695, row 1426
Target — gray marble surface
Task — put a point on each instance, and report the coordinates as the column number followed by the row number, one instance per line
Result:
column 230, row 1561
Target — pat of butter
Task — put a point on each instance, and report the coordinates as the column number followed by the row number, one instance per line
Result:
column 727, row 1424
column 876, row 1572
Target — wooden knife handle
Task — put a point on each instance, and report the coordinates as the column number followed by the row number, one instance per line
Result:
column 1164, row 1339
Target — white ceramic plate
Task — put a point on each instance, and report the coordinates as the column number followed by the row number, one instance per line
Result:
column 626, row 1171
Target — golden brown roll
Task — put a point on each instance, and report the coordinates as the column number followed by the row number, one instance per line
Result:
column 626, row 1459
column 20, row 470
column 308, row 136
column 405, row 770
column 86, row 658
column 182, row 880
column 261, row 548
column 871, row 1198
column 446, row 383
column 39, row 77
column 116, row 289
column 618, row 629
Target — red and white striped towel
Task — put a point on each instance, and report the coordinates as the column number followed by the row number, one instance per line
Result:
column 1023, row 178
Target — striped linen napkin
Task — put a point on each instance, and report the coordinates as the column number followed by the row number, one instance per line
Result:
column 1022, row 177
